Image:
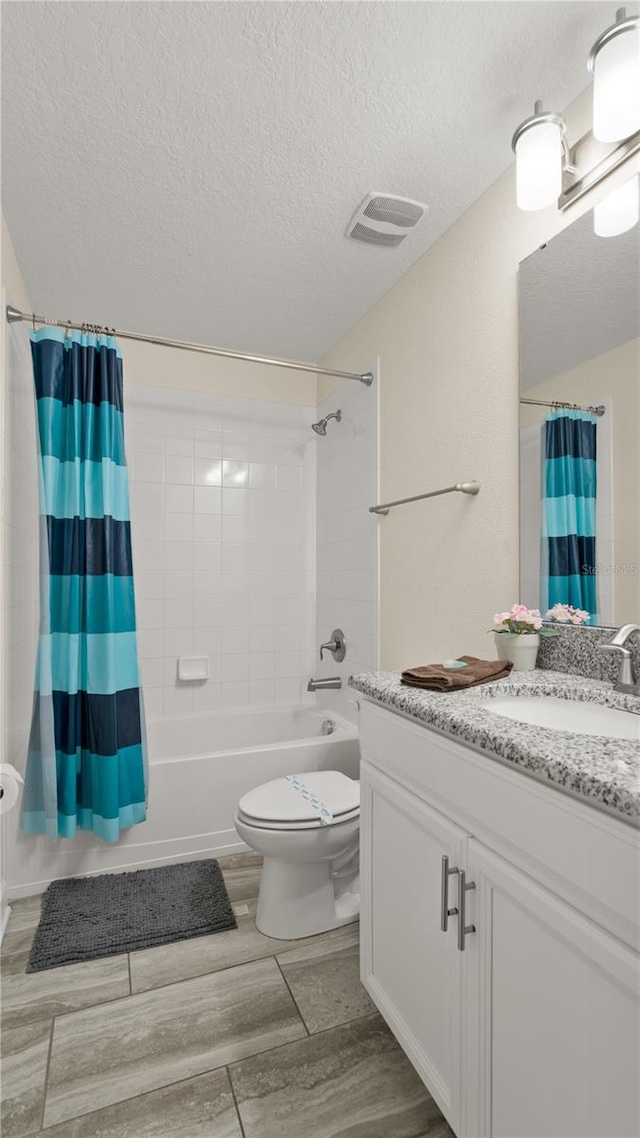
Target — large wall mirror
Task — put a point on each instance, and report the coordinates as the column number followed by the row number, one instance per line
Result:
column 580, row 424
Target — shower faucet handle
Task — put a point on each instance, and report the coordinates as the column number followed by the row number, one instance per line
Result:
column 336, row 646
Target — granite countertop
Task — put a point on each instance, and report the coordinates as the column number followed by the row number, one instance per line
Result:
column 604, row 772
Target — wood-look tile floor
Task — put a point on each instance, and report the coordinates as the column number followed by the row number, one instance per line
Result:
column 227, row 1036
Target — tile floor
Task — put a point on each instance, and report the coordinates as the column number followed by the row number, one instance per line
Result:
column 225, row 1036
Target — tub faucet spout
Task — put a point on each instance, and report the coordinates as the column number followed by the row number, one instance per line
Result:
column 325, row 684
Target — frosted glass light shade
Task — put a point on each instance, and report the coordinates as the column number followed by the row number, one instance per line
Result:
column 616, row 87
column 619, row 211
column 539, row 166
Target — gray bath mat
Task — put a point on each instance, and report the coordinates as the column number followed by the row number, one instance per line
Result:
column 84, row 918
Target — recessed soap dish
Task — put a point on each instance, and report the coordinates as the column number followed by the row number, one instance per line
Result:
column 192, row 669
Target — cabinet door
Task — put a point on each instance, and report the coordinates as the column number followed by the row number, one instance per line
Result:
column 409, row 966
column 553, row 1014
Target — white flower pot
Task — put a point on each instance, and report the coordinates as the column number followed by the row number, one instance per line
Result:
column 519, row 647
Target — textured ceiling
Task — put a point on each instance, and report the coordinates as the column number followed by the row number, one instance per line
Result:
column 188, row 169
column 579, row 298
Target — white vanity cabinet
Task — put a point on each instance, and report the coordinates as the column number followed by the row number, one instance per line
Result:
column 529, row 1025
column 406, row 842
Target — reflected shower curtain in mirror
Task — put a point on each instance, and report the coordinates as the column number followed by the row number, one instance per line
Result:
column 86, row 762
column 569, row 511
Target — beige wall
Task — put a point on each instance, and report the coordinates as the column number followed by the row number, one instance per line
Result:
column 11, row 276
column 167, row 367
column 447, row 338
column 612, row 376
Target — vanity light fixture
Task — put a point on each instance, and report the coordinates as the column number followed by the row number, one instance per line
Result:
column 547, row 171
column 619, row 211
column 540, row 148
column 614, row 62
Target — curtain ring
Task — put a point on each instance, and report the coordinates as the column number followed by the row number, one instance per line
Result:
column 33, row 320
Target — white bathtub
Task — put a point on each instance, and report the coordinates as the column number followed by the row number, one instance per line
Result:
column 220, row 732
column 199, row 767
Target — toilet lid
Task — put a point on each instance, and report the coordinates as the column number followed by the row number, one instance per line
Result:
column 301, row 798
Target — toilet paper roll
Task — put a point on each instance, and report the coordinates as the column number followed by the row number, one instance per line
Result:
column 10, row 782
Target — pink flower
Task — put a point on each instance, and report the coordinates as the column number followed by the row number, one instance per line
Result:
column 566, row 614
column 519, row 619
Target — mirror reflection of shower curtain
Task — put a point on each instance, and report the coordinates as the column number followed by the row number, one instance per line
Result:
column 569, row 487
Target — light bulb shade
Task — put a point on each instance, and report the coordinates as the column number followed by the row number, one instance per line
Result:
column 616, row 84
column 619, row 211
column 539, row 165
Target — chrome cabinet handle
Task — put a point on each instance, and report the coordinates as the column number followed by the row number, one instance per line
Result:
column 464, row 929
column 445, row 911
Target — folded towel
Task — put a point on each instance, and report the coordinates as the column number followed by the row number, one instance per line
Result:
column 435, row 677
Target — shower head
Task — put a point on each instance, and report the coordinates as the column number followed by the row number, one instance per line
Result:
column 321, row 426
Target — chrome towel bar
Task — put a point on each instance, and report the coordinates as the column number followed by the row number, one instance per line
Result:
column 460, row 487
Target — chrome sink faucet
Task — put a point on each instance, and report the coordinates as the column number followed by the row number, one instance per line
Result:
column 627, row 681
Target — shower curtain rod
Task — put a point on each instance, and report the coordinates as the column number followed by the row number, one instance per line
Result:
column 559, row 405
column 14, row 315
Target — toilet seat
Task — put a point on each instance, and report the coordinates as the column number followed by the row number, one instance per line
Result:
column 261, row 824
column 283, row 804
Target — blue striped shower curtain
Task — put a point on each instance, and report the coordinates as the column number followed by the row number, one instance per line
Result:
column 86, row 762
column 569, row 511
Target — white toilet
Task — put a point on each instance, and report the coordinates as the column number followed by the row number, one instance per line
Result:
column 307, row 829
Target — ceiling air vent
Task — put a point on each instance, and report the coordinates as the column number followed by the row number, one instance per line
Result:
column 382, row 219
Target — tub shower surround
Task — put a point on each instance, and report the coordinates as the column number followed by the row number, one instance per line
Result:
column 223, row 504
column 223, row 526
column 605, row 772
column 347, row 535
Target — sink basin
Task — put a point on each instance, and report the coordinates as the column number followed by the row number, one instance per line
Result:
column 568, row 715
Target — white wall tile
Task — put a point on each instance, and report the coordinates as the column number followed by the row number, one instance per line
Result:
column 207, row 527
column 261, row 693
column 150, row 642
column 235, row 447
column 207, row 444
column 178, row 499
column 149, row 527
column 177, row 527
column 262, row 476
column 207, row 556
column 178, row 556
column 179, row 444
column 178, row 614
column 207, row 613
column 208, row 471
column 262, row 666
column 147, row 467
column 178, row 469
column 147, row 497
column 208, row 500
column 234, row 501
column 235, row 694
column 208, row 697
column 224, row 532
